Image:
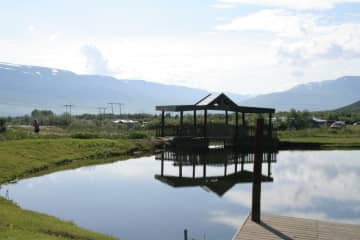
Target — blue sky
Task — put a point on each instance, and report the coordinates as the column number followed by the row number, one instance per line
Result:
column 243, row 46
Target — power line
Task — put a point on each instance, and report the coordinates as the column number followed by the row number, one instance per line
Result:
column 119, row 104
column 66, row 108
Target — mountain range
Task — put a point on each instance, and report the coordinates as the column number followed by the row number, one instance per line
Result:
column 354, row 107
column 24, row 88
column 314, row 96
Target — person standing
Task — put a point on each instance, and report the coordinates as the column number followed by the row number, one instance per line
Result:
column 36, row 126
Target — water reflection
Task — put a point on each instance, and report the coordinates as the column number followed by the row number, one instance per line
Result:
column 232, row 163
column 123, row 197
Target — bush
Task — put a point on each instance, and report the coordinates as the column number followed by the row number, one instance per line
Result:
column 85, row 135
column 137, row 135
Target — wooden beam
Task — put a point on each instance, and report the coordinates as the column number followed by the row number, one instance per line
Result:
column 256, row 189
column 178, row 108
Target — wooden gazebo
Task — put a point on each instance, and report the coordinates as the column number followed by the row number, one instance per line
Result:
column 214, row 131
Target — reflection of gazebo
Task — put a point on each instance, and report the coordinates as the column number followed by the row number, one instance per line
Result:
column 213, row 131
column 232, row 162
column 217, row 184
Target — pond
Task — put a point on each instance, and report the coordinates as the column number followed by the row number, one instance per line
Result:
column 126, row 200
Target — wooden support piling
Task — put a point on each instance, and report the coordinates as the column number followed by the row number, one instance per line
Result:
column 256, row 190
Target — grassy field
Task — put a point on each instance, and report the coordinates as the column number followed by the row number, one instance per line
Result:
column 322, row 138
column 28, row 157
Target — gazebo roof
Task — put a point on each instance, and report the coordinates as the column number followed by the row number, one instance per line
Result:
column 215, row 101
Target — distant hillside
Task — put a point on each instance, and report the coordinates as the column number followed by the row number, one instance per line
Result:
column 354, row 107
column 24, row 88
column 324, row 95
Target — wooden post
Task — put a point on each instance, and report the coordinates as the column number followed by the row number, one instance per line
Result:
column 162, row 163
column 193, row 170
column 269, row 164
column 185, row 234
column 256, row 191
column 242, row 162
column 225, row 168
column 181, row 118
column 204, row 170
column 205, row 123
column 194, row 117
column 226, row 117
column 180, row 169
column 270, row 125
column 243, row 119
column 162, row 122
column 236, row 163
column 236, row 124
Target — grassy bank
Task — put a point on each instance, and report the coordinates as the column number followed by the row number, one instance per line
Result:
column 28, row 157
column 321, row 138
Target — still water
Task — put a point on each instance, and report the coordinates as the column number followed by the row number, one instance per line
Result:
column 124, row 199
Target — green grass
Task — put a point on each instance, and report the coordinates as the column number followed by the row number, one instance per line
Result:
column 16, row 223
column 323, row 138
column 28, row 157
column 51, row 132
column 20, row 158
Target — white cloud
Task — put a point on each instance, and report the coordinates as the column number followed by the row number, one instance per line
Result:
column 303, row 189
column 221, row 5
column 280, row 22
column 31, row 28
column 95, row 61
column 54, row 36
column 300, row 38
column 292, row 4
column 227, row 219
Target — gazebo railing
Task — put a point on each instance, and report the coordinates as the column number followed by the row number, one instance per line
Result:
column 211, row 131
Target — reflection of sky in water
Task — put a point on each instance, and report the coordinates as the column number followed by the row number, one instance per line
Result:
column 316, row 184
column 123, row 199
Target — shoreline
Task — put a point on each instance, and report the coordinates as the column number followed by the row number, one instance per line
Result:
column 17, row 222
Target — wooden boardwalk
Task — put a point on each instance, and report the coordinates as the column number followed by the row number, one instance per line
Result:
column 278, row 227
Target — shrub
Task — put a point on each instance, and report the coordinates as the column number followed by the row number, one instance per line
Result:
column 85, row 135
column 137, row 135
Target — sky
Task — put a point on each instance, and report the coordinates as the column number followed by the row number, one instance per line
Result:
column 240, row 46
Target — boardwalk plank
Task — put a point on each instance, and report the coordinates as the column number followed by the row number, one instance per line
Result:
column 290, row 228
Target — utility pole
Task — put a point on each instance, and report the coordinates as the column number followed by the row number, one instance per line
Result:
column 112, row 107
column 102, row 111
column 116, row 103
column 120, row 105
column 68, row 110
